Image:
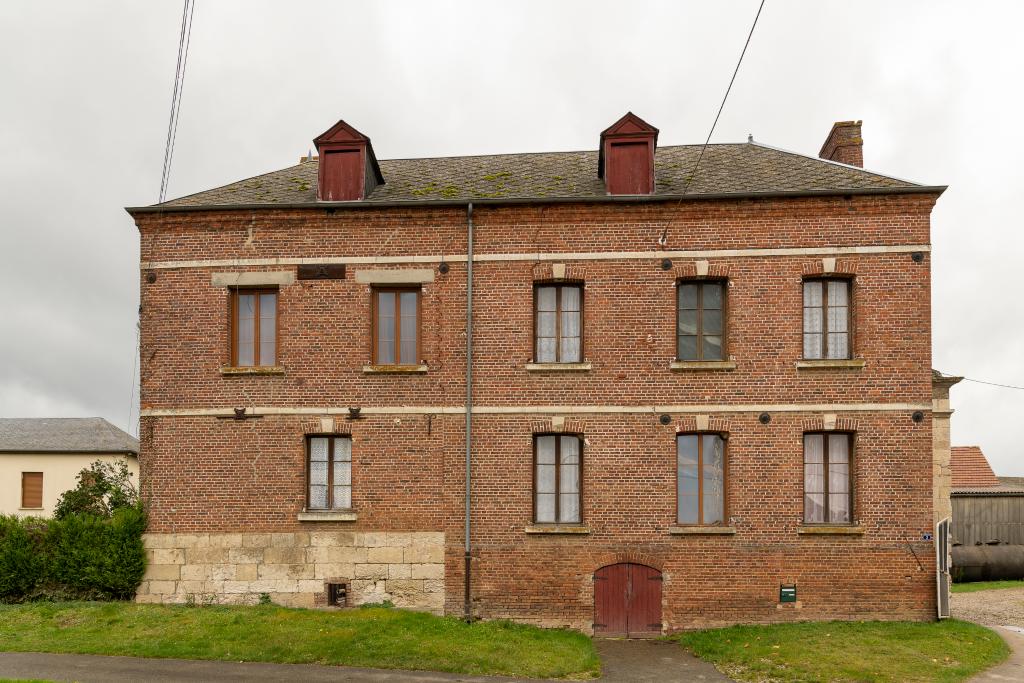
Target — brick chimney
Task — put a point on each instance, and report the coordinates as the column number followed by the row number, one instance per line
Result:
column 348, row 168
column 626, row 156
column 844, row 144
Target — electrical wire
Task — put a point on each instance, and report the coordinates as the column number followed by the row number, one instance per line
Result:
column 663, row 240
column 993, row 384
column 732, row 80
column 184, row 39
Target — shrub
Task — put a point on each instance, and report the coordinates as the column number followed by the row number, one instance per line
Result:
column 81, row 556
column 103, row 488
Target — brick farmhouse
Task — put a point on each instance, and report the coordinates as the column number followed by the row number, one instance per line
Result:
column 697, row 394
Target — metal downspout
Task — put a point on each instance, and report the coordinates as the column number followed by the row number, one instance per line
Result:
column 469, row 403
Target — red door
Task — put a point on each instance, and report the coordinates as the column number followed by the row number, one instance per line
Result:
column 627, row 601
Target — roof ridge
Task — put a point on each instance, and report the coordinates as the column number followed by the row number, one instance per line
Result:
column 563, row 151
column 837, row 163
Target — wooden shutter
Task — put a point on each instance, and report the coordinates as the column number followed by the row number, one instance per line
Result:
column 31, row 489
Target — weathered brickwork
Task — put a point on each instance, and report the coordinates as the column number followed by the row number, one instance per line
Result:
column 207, row 476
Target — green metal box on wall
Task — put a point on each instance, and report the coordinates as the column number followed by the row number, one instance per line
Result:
column 787, row 593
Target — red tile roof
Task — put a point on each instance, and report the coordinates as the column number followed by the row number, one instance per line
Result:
column 970, row 469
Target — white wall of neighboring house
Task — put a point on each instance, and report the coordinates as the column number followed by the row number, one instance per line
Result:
column 60, row 473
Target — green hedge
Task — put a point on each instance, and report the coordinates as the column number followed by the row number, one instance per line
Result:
column 80, row 557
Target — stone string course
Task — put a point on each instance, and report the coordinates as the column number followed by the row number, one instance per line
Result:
column 406, row 568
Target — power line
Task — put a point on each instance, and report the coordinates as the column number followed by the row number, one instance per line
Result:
column 993, row 384
column 184, row 40
column 732, row 80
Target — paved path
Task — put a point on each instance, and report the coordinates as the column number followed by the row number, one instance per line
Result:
column 624, row 661
column 1003, row 611
column 628, row 661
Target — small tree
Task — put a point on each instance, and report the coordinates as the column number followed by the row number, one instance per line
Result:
column 103, row 488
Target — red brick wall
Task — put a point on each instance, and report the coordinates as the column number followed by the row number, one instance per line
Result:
column 203, row 474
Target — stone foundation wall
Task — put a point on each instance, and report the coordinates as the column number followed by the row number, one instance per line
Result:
column 406, row 568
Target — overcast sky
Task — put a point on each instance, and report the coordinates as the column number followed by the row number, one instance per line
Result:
column 85, row 90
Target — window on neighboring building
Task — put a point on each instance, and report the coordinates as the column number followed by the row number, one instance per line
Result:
column 32, row 490
column 558, row 323
column 396, row 316
column 557, row 467
column 828, row 489
column 700, row 321
column 330, row 473
column 826, row 319
column 254, row 327
column 700, row 478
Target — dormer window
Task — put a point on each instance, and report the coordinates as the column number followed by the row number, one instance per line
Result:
column 626, row 156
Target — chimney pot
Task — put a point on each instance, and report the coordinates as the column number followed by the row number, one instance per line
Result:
column 844, row 144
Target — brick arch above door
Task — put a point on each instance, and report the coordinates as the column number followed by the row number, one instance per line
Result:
column 629, row 557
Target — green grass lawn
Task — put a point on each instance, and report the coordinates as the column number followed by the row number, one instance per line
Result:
column 835, row 651
column 985, row 586
column 369, row 637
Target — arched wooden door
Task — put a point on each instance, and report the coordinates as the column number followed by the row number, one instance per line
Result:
column 627, row 601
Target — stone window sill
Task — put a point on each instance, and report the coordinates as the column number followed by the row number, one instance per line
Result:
column 577, row 529
column 823, row 363
column 688, row 365
column 31, row 509
column 559, row 367
column 702, row 530
column 833, row 530
column 229, row 370
column 394, row 369
column 327, row 516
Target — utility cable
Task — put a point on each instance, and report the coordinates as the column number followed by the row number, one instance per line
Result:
column 693, row 173
column 184, row 39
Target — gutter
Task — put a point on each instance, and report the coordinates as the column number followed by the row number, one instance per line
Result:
column 469, row 409
column 503, row 201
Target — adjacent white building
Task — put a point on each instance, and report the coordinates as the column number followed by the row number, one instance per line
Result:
column 40, row 458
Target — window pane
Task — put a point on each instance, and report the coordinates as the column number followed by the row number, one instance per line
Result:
column 569, row 350
column 386, row 328
column 713, row 348
column 318, row 450
column 246, row 330
column 686, row 449
column 687, row 322
column 712, row 322
column 317, row 497
column 407, row 351
column 570, row 323
column 342, row 474
column 714, row 479
column 545, row 298
column 342, row 497
column 837, row 317
column 837, row 293
column 546, row 479
column 814, row 445
column 546, row 450
column 814, row 508
column 812, row 320
column 838, row 345
column 688, row 509
column 838, row 448
column 268, row 329
column 838, row 477
column 711, row 296
column 839, row 508
column 545, row 507
column 546, row 324
column 687, row 348
column 687, row 297
column 812, row 345
column 812, row 294
column 570, row 298
column 546, row 348
column 569, row 508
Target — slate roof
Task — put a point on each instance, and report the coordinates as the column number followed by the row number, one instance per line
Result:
column 743, row 168
column 64, row 435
